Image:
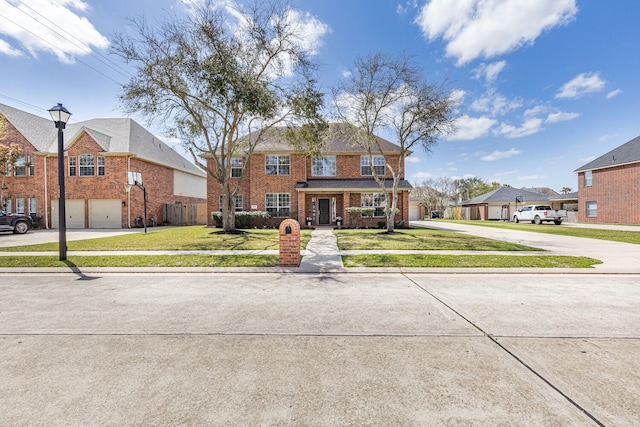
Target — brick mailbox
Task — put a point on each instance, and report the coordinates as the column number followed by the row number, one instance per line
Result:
column 289, row 243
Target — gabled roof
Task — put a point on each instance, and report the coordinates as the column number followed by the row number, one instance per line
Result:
column 506, row 195
column 115, row 136
column 625, row 154
column 40, row 132
column 339, row 140
column 564, row 197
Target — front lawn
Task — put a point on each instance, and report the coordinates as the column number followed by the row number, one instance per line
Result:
column 188, row 238
column 421, row 239
column 468, row 261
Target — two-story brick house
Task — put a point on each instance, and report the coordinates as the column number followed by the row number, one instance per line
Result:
column 609, row 186
column 280, row 180
column 99, row 153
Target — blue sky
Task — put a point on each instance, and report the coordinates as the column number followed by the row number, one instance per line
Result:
column 543, row 86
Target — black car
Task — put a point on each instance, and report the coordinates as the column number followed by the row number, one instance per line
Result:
column 18, row 223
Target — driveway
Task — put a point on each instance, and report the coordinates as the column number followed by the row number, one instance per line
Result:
column 616, row 257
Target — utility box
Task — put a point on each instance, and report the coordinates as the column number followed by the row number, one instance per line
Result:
column 289, row 243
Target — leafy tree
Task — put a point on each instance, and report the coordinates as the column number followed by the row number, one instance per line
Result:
column 9, row 154
column 471, row 187
column 223, row 87
column 388, row 94
column 566, row 190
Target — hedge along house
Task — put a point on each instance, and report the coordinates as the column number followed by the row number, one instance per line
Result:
column 316, row 190
column 609, row 186
column 99, row 153
column 500, row 204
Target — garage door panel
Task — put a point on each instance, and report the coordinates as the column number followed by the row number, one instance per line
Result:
column 74, row 210
column 105, row 213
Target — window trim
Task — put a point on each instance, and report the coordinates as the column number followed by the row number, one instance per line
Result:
column 278, row 166
column 238, row 202
column 101, row 166
column 328, row 164
column 86, row 168
column 20, row 165
column 364, row 163
column 74, row 171
column 235, row 168
column 379, row 212
column 280, row 210
column 588, row 178
column 593, row 212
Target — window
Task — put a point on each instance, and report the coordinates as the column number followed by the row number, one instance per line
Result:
column 20, row 167
column 279, row 204
column 236, row 168
column 323, row 166
column 277, row 164
column 72, row 166
column 32, row 207
column 378, row 165
column 373, row 200
column 87, row 167
column 20, row 206
column 238, row 200
column 30, row 166
column 588, row 179
column 592, row 209
column 100, row 165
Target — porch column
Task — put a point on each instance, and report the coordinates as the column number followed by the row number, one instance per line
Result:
column 346, row 196
column 302, row 196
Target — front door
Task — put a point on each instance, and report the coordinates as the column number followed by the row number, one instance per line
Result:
column 324, row 215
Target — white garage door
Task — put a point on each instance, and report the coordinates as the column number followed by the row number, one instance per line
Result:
column 105, row 213
column 414, row 212
column 74, row 209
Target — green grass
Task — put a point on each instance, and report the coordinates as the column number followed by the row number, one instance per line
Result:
column 421, row 239
column 468, row 261
column 178, row 239
column 577, row 231
column 143, row 261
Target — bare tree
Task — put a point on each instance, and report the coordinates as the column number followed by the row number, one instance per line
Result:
column 437, row 193
column 389, row 95
column 221, row 79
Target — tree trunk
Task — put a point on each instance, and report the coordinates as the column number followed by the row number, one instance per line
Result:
column 228, row 213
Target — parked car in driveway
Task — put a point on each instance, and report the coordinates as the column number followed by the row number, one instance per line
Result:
column 539, row 213
column 18, row 223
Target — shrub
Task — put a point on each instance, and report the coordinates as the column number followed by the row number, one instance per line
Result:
column 243, row 219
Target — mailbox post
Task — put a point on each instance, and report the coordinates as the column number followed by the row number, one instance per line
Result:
column 289, row 243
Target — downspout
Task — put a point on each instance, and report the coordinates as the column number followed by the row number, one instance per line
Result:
column 46, row 196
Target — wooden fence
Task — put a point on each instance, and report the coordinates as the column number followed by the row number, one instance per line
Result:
column 179, row 214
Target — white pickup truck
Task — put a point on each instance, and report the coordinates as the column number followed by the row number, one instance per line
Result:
column 539, row 213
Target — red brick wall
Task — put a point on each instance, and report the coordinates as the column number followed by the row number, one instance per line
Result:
column 158, row 181
column 256, row 184
column 617, row 193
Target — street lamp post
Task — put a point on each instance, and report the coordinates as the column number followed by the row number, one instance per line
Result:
column 60, row 116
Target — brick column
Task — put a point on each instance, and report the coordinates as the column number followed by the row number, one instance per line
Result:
column 289, row 243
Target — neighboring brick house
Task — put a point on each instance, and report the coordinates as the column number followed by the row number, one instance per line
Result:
column 98, row 155
column 500, row 204
column 282, row 181
column 609, row 186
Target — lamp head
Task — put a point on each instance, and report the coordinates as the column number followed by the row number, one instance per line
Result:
column 59, row 115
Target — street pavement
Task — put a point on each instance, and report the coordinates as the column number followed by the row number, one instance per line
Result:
column 428, row 348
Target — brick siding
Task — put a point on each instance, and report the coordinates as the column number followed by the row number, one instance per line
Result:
column 617, row 193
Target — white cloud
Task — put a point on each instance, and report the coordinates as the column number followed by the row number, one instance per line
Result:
column 499, row 155
column 457, row 96
column 486, row 28
column 7, row 49
column 412, row 159
column 561, row 116
column 32, row 32
column 529, row 127
column 421, row 175
column 581, row 84
column 614, row 93
column 505, row 173
column 471, row 127
column 345, row 73
column 309, row 29
column 494, row 103
column 587, row 159
column 608, row 136
column 489, row 72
